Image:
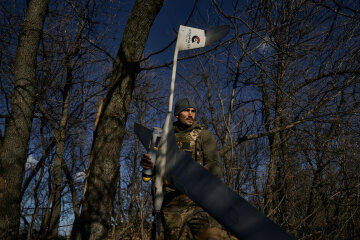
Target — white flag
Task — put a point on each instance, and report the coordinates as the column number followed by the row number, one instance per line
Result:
column 190, row 38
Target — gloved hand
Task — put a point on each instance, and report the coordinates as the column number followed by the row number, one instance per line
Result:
column 146, row 161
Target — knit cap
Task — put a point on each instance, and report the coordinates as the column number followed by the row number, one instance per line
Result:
column 182, row 104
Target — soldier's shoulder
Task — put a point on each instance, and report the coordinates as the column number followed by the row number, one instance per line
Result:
column 202, row 130
column 205, row 133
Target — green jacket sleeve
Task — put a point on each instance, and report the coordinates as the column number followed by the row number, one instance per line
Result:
column 211, row 156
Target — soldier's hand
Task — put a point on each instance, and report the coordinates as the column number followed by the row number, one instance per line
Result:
column 146, row 162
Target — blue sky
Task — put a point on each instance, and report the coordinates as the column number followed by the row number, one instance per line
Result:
column 172, row 15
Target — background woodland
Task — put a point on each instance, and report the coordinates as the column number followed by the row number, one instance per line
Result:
column 281, row 93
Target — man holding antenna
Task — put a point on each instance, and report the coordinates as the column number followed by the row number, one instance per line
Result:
column 179, row 176
column 182, row 218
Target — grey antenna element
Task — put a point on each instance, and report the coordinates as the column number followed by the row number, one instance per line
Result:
column 214, row 34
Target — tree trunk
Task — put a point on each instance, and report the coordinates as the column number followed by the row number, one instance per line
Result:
column 94, row 220
column 13, row 149
column 60, row 134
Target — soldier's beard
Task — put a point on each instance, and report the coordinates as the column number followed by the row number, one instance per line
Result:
column 189, row 121
column 186, row 121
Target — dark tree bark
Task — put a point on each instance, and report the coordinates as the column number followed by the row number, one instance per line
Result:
column 94, row 220
column 60, row 136
column 14, row 145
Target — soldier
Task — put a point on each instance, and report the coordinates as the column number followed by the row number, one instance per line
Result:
column 183, row 219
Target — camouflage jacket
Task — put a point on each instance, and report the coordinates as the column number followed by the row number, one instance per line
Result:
column 201, row 143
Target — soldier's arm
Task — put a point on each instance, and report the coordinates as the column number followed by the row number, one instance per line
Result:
column 211, row 156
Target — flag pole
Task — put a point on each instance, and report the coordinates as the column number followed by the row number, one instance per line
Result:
column 159, row 190
column 173, row 75
column 188, row 38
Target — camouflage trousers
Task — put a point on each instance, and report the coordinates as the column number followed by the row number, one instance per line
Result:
column 184, row 220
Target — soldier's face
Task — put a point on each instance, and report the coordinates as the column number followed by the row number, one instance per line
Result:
column 187, row 116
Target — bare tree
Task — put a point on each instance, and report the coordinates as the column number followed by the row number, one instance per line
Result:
column 14, row 143
column 299, row 68
column 67, row 91
column 133, row 213
column 94, row 221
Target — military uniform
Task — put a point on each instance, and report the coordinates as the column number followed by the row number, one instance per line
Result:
column 182, row 218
